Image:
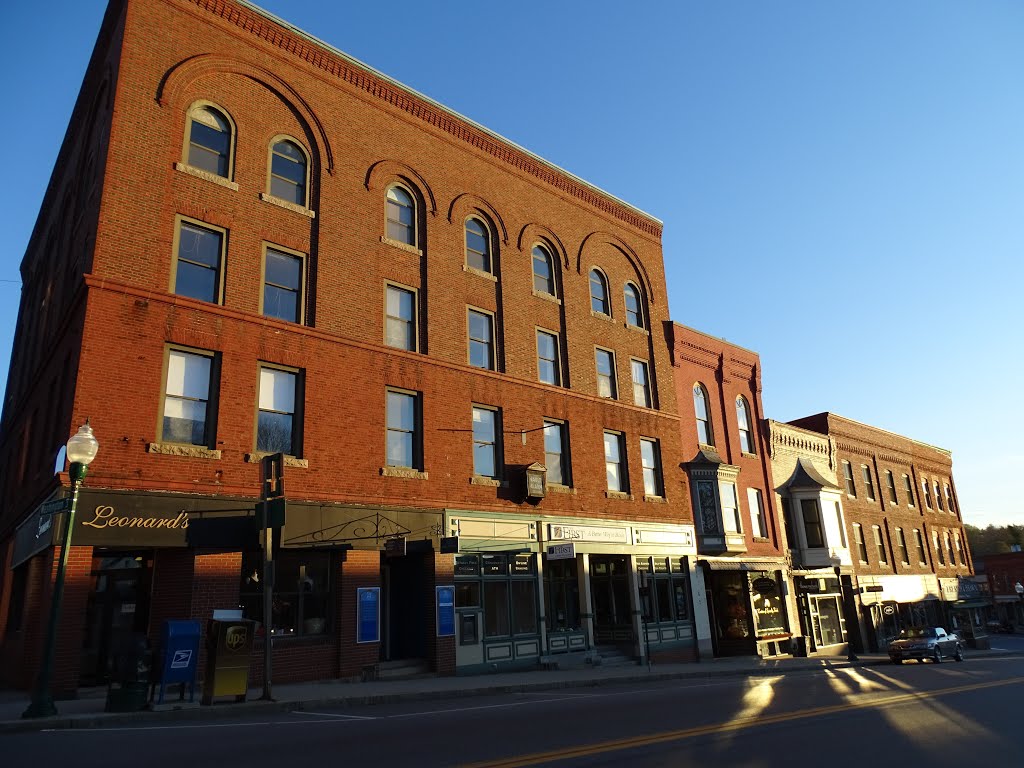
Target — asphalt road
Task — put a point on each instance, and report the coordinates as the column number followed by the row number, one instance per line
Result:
column 917, row 714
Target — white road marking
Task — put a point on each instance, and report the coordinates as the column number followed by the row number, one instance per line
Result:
column 337, row 715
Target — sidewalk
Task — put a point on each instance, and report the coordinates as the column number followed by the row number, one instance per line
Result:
column 87, row 710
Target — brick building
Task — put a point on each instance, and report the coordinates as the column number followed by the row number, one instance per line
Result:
column 1004, row 572
column 252, row 243
column 904, row 531
column 739, row 542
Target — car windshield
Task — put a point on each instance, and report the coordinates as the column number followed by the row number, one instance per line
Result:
column 915, row 632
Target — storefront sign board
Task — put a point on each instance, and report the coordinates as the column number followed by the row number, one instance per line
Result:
column 590, row 533
column 561, row 551
column 445, row 611
column 367, row 614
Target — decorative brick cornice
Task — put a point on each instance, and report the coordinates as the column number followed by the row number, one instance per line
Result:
column 333, row 63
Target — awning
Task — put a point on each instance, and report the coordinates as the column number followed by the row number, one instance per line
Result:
column 970, row 604
column 729, row 564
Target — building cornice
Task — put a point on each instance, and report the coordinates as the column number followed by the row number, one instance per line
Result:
column 260, row 23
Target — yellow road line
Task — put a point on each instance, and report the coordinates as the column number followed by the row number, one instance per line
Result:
column 733, row 725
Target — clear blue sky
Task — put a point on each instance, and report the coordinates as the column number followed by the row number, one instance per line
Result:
column 842, row 183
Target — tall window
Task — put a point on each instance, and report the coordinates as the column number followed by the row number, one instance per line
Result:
column 890, row 483
column 543, row 271
column 556, row 453
column 186, row 398
column 858, row 538
column 282, row 285
column 949, row 548
column 481, row 340
column 403, row 432
column 400, row 318
column 209, row 141
column 650, row 458
column 700, row 407
column 599, row 292
column 922, row 557
column 927, row 494
column 901, row 543
column 883, row 557
column 959, row 549
column 909, row 486
column 549, row 369
column 634, row 312
column 869, row 485
column 743, row 419
column 615, row 462
column 938, row 548
column 758, row 523
column 949, row 500
column 288, row 172
column 486, row 446
column 276, row 424
column 478, row 248
column 641, row 384
column 938, row 497
column 605, row 372
column 730, row 508
column 842, row 527
column 303, row 591
column 401, row 216
column 812, row 523
column 200, row 254
column 851, row 486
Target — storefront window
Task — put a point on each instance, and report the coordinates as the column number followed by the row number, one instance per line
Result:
column 507, row 586
column 303, row 591
column 524, row 607
column 496, row 622
column 561, row 595
column 767, row 599
column 826, row 620
column 666, row 598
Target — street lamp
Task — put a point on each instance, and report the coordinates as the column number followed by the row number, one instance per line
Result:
column 81, row 449
column 850, row 655
column 1019, row 589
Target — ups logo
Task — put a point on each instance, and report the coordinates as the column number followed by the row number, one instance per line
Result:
column 234, row 638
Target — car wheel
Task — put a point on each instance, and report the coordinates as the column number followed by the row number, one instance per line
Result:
column 959, row 654
column 937, row 656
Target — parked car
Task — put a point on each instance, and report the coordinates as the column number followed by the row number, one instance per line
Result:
column 926, row 643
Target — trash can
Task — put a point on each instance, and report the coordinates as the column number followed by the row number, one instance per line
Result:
column 129, row 677
column 178, row 658
column 229, row 646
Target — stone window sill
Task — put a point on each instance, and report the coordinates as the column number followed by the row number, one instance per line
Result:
column 289, row 461
column 655, row 499
column 556, row 488
column 601, row 316
column 201, row 174
column 637, row 328
column 619, row 495
column 407, row 473
column 300, row 209
column 176, row 449
column 548, row 297
column 761, row 539
column 747, row 455
column 480, row 273
column 491, row 482
column 401, row 246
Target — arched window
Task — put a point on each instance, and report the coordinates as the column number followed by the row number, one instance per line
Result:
column 401, row 215
column 700, row 408
column 599, row 292
column 478, row 245
column 543, row 271
column 634, row 314
column 743, row 419
column 288, row 172
column 209, row 141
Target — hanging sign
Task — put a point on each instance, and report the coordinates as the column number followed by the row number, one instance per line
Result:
column 368, row 614
column 445, row 611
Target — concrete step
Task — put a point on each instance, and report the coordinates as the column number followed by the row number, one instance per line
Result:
column 403, row 669
column 613, row 656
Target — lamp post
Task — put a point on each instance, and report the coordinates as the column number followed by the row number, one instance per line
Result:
column 81, row 449
column 850, row 655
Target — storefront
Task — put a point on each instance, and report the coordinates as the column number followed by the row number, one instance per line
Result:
column 746, row 606
column 966, row 603
column 822, row 615
column 529, row 590
column 890, row 603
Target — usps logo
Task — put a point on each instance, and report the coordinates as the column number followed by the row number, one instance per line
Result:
column 181, row 659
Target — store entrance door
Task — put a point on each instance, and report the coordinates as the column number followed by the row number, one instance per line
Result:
column 609, row 588
column 117, row 610
column 404, row 609
column 729, row 608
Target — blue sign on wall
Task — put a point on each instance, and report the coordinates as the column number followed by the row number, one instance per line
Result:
column 368, row 614
column 445, row 611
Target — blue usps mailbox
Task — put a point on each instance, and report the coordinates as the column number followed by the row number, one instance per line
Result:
column 180, row 656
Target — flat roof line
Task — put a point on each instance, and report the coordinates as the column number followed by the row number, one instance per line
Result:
column 412, row 92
